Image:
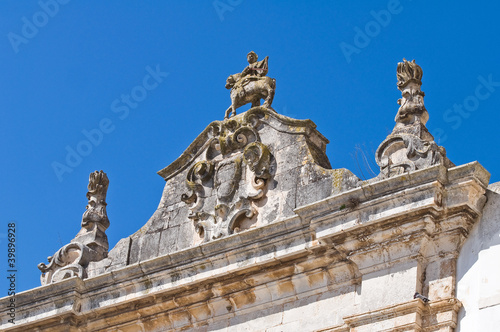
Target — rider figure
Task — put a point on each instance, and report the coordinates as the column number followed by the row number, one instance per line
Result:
column 251, row 85
column 254, row 70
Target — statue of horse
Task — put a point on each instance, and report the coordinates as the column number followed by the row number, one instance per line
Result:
column 249, row 89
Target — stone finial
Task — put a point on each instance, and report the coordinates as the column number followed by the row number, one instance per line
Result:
column 412, row 110
column 96, row 209
column 410, row 146
column 251, row 85
column 95, row 219
column 90, row 244
column 408, row 71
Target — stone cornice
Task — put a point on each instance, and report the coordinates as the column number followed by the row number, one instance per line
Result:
column 402, row 317
column 336, row 233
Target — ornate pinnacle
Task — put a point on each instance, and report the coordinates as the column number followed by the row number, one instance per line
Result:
column 412, row 110
column 410, row 146
column 90, row 244
column 408, row 71
column 96, row 208
column 98, row 184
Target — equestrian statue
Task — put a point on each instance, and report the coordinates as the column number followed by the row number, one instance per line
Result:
column 251, row 85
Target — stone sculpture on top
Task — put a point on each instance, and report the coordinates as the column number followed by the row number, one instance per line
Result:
column 251, row 85
column 90, row 244
column 410, row 146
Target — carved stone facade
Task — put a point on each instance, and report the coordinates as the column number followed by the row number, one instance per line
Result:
column 256, row 232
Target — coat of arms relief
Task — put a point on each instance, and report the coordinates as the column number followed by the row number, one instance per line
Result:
column 225, row 187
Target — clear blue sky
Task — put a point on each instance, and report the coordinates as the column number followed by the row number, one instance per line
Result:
column 67, row 70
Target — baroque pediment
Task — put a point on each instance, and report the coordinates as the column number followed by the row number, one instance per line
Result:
column 223, row 137
column 230, row 167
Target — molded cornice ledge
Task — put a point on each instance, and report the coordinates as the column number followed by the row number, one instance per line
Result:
column 413, row 224
column 401, row 218
column 417, row 220
column 429, row 197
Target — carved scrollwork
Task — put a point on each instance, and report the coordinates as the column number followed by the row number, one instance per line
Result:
column 238, row 139
column 201, row 171
column 205, row 224
column 258, row 157
column 198, row 175
column 189, row 199
column 215, row 129
column 213, row 149
column 404, row 153
column 231, row 136
column 67, row 262
column 242, row 211
column 253, row 119
column 244, row 136
column 218, row 202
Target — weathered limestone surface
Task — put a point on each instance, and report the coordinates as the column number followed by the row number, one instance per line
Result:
column 478, row 281
column 90, row 244
column 334, row 264
column 251, row 170
column 256, row 232
column 410, row 146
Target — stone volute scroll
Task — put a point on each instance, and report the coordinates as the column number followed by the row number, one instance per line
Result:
column 90, row 244
column 410, row 146
column 251, row 85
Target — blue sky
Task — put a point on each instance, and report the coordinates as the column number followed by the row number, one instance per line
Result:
column 130, row 84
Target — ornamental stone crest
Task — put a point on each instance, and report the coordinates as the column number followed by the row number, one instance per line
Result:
column 410, row 146
column 225, row 186
column 90, row 244
column 251, row 85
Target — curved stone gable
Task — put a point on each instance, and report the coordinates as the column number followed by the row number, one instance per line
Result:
column 238, row 174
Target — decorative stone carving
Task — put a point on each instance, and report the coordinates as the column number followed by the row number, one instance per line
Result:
column 410, row 146
column 239, row 174
column 95, row 219
column 412, row 108
column 90, row 244
column 233, row 176
column 251, row 85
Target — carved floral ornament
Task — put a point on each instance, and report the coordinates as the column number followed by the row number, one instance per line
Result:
column 232, row 176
